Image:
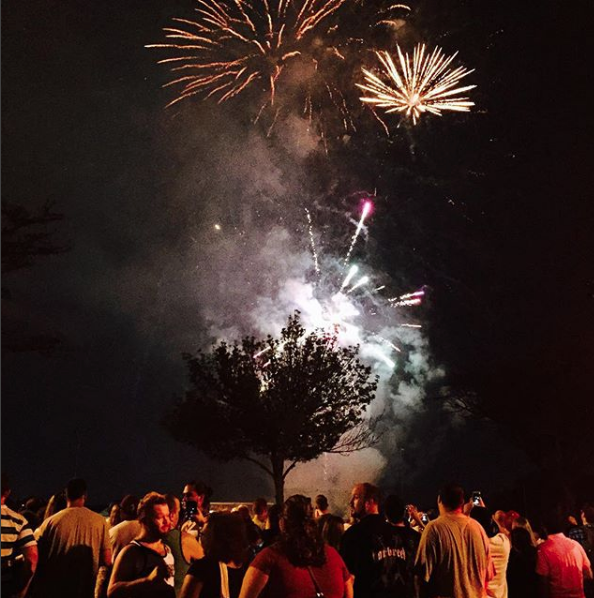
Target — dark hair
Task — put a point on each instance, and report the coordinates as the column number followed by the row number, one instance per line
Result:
column 225, row 538
column 202, row 489
column 75, row 489
column 371, row 492
column 332, row 530
column 260, row 505
column 147, row 505
column 301, row 540
column 451, row 496
column 394, row 509
column 553, row 520
column 321, row 502
column 129, row 506
column 484, row 517
column 521, row 540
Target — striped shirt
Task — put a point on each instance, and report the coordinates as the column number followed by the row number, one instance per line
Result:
column 16, row 534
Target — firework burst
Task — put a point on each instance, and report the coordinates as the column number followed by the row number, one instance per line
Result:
column 418, row 84
column 351, row 311
column 235, row 45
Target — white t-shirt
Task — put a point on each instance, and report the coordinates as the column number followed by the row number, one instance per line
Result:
column 500, row 548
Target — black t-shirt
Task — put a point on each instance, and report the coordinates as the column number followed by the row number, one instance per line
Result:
column 207, row 571
column 381, row 557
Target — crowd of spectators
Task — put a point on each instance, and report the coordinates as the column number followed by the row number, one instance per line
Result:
column 164, row 546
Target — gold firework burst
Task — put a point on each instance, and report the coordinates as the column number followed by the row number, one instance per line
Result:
column 418, row 84
column 235, row 43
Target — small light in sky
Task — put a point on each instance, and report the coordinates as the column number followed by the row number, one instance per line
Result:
column 217, row 227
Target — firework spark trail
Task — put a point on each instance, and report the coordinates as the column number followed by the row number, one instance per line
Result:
column 417, row 85
column 363, row 280
column 366, row 209
column 314, row 251
column 234, row 43
column 353, row 270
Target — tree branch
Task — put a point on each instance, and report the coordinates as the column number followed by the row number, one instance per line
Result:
column 288, row 470
column 261, row 465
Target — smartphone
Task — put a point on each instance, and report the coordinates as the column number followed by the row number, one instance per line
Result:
column 424, row 518
column 476, row 497
column 191, row 508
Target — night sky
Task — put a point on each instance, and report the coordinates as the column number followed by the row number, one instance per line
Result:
column 490, row 210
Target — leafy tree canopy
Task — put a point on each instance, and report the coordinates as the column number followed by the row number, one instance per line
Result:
column 275, row 402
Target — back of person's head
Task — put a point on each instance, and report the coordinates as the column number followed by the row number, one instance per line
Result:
column 321, row 502
column 451, row 496
column 553, row 520
column 522, row 540
column 225, row 538
column 371, row 492
column 129, row 507
column 588, row 515
column 301, row 539
column 332, row 530
column 244, row 511
column 260, row 506
column 394, row 509
column 484, row 517
column 76, row 488
column 147, row 505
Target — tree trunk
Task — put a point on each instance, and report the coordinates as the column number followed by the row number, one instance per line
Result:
column 278, row 466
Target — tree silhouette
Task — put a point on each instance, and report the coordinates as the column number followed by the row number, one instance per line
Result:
column 275, row 402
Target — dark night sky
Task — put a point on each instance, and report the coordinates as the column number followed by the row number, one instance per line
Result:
column 493, row 213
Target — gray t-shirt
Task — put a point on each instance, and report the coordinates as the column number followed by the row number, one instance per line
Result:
column 70, row 544
column 453, row 557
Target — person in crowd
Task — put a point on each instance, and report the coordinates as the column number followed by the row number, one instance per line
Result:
column 561, row 563
column 129, row 528
column 33, row 510
column 19, row 548
column 272, row 532
column 221, row 571
column 146, row 566
column 254, row 535
column 332, row 530
column 114, row 516
column 195, row 507
column 73, row 544
column 522, row 581
column 300, row 565
column 453, row 556
column 184, row 546
column 55, row 504
column 584, row 533
column 379, row 552
column 120, row 535
column 322, row 507
column 260, row 518
column 500, row 547
column 522, row 522
column 501, row 520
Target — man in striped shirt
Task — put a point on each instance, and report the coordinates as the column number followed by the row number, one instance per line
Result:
column 19, row 549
